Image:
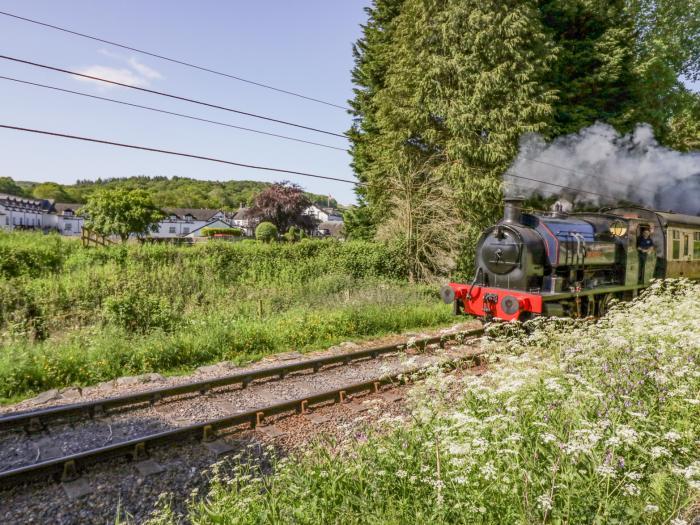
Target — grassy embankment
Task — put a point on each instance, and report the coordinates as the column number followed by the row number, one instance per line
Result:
column 70, row 316
column 576, row 424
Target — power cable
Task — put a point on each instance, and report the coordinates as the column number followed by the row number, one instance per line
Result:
column 169, row 95
column 176, row 153
column 173, row 60
column 158, row 110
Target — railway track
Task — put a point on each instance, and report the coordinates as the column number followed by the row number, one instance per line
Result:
column 69, row 467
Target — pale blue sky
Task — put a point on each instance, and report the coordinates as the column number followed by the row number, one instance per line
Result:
column 301, row 46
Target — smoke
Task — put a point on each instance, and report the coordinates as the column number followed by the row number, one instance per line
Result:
column 599, row 166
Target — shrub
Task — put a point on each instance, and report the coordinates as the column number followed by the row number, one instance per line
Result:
column 266, row 232
column 233, row 232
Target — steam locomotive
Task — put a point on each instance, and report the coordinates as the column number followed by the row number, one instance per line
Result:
column 561, row 264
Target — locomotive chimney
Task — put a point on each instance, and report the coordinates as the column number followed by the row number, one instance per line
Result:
column 513, row 209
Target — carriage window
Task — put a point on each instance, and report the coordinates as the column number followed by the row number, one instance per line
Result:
column 676, row 244
column 686, row 242
column 696, row 246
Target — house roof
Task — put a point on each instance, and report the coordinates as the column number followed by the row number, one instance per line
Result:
column 244, row 213
column 335, row 228
column 13, row 200
column 201, row 214
column 62, row 207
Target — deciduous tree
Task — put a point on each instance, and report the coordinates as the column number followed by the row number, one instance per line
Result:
column 283, row 204
column 121, row 213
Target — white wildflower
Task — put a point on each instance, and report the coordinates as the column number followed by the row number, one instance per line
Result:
column 606, row 471
column 651, row 508
column 628, row 435
column 678, row 521
column 634, row 476
column 631, row 489
column 488, row 471
column 401, row 474
column 659, row 452
column 548, row 438
column 544, row 502
column 672, row 436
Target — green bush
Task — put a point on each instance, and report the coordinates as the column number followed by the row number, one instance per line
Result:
column 266, row 232
column 233, row 232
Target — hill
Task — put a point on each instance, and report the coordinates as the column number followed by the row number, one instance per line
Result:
column 177, row 192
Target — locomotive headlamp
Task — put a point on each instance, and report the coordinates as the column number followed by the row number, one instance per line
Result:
column 447, row 294
column 510, row 304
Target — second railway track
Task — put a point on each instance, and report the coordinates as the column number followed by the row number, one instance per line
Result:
column 68, row 466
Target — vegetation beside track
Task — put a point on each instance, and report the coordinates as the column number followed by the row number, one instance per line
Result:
column 592, row 423
column 74, row 316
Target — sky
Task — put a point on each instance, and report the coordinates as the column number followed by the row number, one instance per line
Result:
column 304, row 47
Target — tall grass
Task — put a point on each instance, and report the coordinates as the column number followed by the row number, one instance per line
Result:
column 86, row 316
column 576, row 424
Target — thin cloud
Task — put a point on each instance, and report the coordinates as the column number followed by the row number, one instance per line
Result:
column 144, row 70
column 133, row 73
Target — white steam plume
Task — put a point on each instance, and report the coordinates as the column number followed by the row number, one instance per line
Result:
column 598, row 160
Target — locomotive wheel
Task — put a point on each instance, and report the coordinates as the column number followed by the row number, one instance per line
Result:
column 603, row 304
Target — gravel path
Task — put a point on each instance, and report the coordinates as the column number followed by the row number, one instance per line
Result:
column 120, row 485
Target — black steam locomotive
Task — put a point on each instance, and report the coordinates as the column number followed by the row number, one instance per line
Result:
column 559, row 264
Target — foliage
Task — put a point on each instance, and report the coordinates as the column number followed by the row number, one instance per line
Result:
column 50, row 190
column 593, row 73
column 121, row 213
column 209, row 232
column 176, row 192
column 684, row 126
column 266, row 232
column 425, row 218
column 91, row 315
column 462, row 81
column 8, row 186
column 358, row 223
column 283, row 204
column 589, row 423
column 32, row 254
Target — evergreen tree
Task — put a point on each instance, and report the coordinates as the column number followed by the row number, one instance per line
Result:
column 371, row 55
column 464, row 81
column 593, row 74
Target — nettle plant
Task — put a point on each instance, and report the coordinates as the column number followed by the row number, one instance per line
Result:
column 573, row 423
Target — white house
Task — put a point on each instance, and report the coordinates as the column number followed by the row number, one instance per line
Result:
column 66, row 218
column 246, row 220
column 180, row 222
column 22, row 213
column 323, row 214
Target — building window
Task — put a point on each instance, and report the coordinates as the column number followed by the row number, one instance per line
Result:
column 68, row 213
column 696, row 246
column 68, row 227
column 171, row 229
column 675, row 244
column 185, row 230
column 686, row 245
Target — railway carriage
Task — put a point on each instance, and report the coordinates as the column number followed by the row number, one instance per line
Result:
column 558, row 264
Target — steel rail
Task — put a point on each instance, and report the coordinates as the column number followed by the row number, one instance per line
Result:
column 69, row 467
column 36, row 420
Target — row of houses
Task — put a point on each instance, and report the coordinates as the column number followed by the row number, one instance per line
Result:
column 65, row 218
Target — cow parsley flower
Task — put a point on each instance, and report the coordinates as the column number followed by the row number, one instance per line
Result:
column 544, row 502
column 659, row 452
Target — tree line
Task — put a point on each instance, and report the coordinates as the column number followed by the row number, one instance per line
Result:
column 175, row 192
column 444, row 89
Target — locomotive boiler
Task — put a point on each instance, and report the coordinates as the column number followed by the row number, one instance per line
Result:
column 559, row 264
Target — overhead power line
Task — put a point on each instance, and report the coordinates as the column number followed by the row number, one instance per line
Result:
column 169, row 95
column 173, row 60
column 176, row 153
column 251, row 166
column 582, row 173
column 158, row 110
